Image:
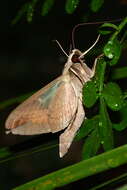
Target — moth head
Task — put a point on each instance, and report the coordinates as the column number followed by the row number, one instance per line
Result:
column 75, row 56
column 77, row 66
column 78, row 56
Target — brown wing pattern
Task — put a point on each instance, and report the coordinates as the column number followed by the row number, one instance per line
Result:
column 28, row 109
column 48, row 110
column 63, row 107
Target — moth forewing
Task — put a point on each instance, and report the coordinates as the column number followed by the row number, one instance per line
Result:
column 49, row 110
column 56, row 106
column 63, row 106
column 68, row 135
column 28, row 108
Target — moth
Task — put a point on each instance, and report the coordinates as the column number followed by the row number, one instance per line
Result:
column 57, row 106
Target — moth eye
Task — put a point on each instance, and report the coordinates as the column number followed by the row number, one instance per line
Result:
column 75, row 58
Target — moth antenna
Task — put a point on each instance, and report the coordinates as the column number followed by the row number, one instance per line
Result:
column 70, row 49
column 61, row 48
column 88, row 23
column 90, row 47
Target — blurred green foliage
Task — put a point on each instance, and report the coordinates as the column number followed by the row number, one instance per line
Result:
column 107, row 93
column 29, row 7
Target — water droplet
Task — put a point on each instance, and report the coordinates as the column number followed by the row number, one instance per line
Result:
column 110, row 42
column 74, row 3
column 107, row 49
column 100, row 124
column 116, row 105
column 110, row 55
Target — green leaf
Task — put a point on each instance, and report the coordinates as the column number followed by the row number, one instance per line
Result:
column 30, row 11
column 105, row 127
column 109, row 25
column 113, row 96
column 91, row 145
column 90, row 95
column 106, row 28
column 71, row 5
column 100, row 72
column 112, row 50
column 46, row 7
column 95, row 5
column 20, row 13
column 123, row 124
column 87, row 126
column 4, row 152
column 80, row 170
column 105, row 32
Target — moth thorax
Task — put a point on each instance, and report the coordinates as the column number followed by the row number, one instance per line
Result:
column 79, row 71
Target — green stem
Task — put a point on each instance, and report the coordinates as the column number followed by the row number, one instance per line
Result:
column 97, row 164
column 105, row 127
column 109, row 182
column 120, row 27
column 102, row 74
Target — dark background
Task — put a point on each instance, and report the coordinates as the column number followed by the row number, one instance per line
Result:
column 29, row 59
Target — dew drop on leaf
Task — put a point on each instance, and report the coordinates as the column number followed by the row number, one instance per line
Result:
column 100, row 124
column 110, row 42
column 108, row 49
column 110, row 56
column 116, row 105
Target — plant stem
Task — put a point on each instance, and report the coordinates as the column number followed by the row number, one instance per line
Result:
column 109, row 182
column 102, row 74
column 122, row 24
column 97, row 164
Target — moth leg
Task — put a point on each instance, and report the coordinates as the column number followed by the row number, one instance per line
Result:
column 67, row 137
column 93, row 68
column 94, row 65
column 87, row 69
